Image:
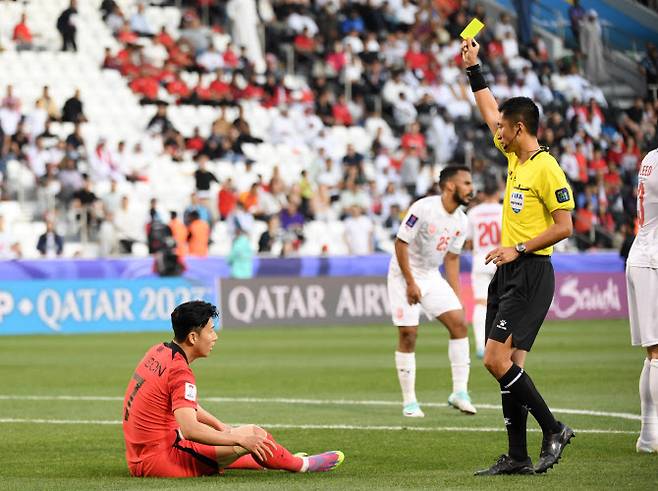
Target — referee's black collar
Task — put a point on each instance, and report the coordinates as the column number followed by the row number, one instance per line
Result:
column 541, row 149
column 176, row 349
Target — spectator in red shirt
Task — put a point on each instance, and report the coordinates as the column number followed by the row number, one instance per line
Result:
column 231, row 58
column 219, row 90
column 110, row 61
column 605, row 220
column 253, row 90
column 583, row 225
column 164, row 38
column 582, row 163
column 597, row 166
column 416, row 58
column 227, row 199
column 125, row 34
column 337, row 59
column 22, row 35
column 195, row 142
column 612, row 177
column 617, row 149
column 304, row 50
column 341, row 112
column 145, row 85
column 414, row 139
column 304, row 42
column 595, row 110
column 178, row 88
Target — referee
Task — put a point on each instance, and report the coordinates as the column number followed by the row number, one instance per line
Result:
column 536, row 215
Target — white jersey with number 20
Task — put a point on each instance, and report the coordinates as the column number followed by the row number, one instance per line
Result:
column 484, row 227
column 644, row 252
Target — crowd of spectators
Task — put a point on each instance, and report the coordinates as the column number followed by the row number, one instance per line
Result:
column 390, row 67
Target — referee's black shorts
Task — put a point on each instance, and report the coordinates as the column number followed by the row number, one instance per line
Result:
column 518, row 300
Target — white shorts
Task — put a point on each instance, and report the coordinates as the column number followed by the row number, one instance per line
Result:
column 480, row 283
column 642, row 288
column 437, row 298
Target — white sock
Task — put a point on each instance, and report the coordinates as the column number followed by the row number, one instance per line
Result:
column 405, row 363
column 649, row 401
column 479, row 319
column 460, row 361
column 304, row 465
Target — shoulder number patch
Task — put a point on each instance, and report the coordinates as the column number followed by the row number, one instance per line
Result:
column 562, row 195
column 190, row 392
column 411, row 221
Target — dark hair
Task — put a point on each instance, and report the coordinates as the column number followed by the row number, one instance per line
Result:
column 523, row 110
column 449, row 172
column 490, row 186
column 191, row 316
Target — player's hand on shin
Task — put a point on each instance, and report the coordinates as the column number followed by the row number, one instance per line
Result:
column 258, row 445
column 501, row 255
column 470, row 50
column 413, row 293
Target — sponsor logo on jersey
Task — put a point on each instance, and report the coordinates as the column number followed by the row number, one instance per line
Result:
column 411, row 221
column 516, row 200
column 562, row 195
column 190, row 391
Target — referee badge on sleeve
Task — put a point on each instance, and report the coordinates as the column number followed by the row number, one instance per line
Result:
column 562, row 195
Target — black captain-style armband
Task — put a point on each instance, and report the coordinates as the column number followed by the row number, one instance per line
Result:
column 476, row 78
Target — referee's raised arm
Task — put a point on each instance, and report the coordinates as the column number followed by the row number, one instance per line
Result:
column 483, row 97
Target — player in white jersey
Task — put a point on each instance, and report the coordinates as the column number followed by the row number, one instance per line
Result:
column 484, row 226
column 642, row 283
column 433, row 232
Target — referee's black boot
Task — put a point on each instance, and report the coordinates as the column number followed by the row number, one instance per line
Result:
column 507, row 465
column 552, row 448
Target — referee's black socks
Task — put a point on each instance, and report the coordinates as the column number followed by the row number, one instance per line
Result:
column 520, row 386
column 516, row 417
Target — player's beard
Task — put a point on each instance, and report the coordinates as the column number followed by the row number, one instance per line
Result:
column 465, row 201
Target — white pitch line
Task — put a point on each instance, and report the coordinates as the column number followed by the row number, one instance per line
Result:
column 313, row 426
column 323, row 402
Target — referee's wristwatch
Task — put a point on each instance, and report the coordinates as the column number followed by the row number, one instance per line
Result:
column 521, row 248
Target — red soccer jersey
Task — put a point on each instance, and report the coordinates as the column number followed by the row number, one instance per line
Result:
column 162, row 383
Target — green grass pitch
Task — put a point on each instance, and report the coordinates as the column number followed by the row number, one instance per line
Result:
column 321, row 389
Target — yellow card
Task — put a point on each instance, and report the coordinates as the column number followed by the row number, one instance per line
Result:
column 472, row 29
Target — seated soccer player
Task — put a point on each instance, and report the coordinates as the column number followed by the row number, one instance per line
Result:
column 167, row 432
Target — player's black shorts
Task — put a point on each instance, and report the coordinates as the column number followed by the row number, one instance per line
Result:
column 518, row 300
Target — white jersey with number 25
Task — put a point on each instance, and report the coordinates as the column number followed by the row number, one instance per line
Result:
column 484, row 227
column 644, row 252
column 431, row 232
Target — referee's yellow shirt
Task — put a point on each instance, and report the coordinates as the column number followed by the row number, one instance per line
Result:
column 534, row 190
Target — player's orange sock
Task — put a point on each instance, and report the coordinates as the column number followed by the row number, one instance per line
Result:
column 282, row 459
column 246, row 462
